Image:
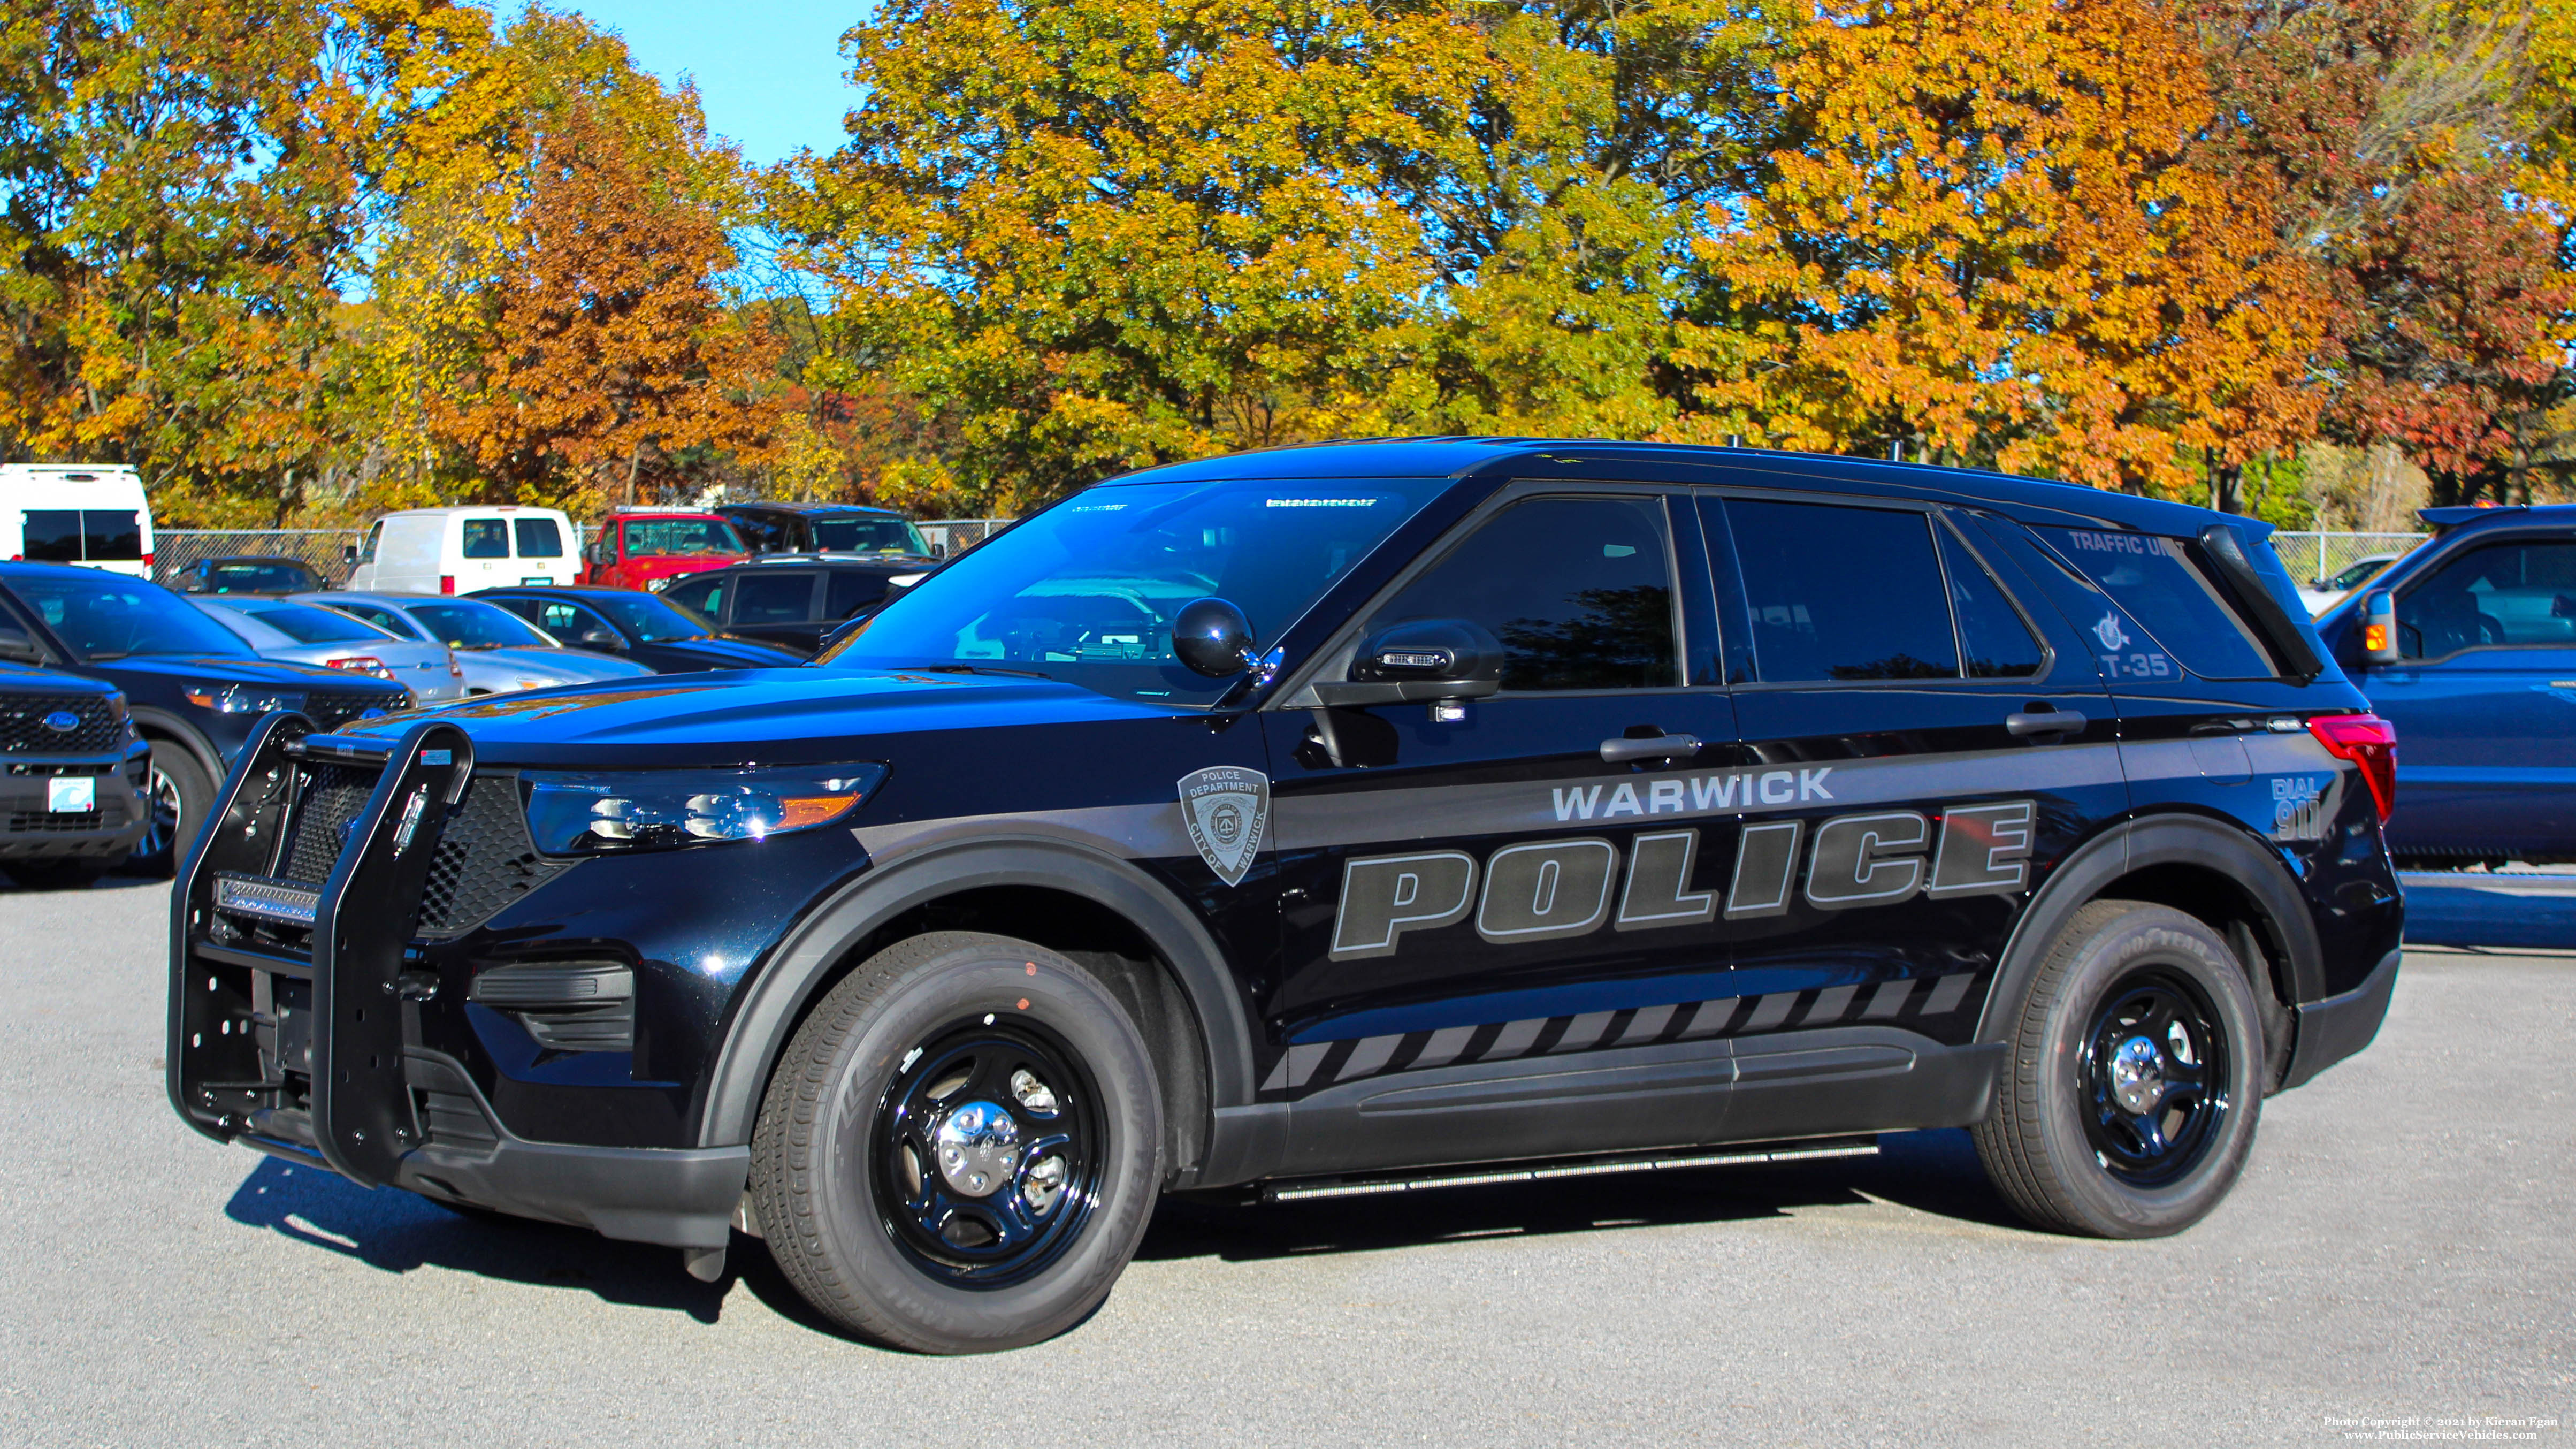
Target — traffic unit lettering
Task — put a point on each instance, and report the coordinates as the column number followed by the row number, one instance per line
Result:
column 1546, row 890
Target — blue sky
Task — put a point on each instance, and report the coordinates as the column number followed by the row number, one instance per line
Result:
column 769, row 71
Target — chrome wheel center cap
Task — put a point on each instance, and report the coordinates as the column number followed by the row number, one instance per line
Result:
column 2137, row 1075
column 979, row 1148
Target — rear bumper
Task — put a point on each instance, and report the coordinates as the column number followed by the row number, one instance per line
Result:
column 2339, row 1026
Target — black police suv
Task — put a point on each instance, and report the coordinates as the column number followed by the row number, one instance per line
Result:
column 637, row 626
column 195, row 688
column 828, row 528
column 1329, row 821
column 792, row 600
column 73, row 774
column 247, row 574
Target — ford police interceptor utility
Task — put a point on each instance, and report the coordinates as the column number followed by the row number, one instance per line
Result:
column 1333, row 820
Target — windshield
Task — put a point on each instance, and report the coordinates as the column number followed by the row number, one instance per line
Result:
column 650, row 620
column 1085, row 592
column 306, row 624
column 680, row 536
column 258, row 578
column 477, row 626
column 107, row 617
column 868, row 535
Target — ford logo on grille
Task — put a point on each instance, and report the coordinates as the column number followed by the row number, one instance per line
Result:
column 62, row 721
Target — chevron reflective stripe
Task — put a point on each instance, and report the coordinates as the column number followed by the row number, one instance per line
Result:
column 1315, row 1064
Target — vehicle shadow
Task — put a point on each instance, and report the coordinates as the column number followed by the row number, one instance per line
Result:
column 396, row 1232
column 1933, row 1172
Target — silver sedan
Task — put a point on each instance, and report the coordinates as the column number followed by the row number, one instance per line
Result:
column 499, row 651
column 283, row 629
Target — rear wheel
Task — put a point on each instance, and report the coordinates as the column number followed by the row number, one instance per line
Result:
column 2136, row 1077
column 176, row 800
column 960, row 1147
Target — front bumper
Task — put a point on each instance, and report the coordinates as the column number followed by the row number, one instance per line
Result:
column 296, row 997
column 32, row 830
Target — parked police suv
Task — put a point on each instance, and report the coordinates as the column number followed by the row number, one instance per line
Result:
column 1333, row 820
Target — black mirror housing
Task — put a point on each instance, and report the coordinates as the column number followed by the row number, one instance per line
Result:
column 1420, row 659
column 18, row 647
column 1213, row 638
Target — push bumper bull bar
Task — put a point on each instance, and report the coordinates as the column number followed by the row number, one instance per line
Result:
column 293, row 1028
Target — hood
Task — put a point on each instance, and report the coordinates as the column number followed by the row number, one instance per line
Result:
column 768, row 716
column 226, row 669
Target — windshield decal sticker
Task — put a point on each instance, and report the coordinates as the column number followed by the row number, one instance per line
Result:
column 1226, row 808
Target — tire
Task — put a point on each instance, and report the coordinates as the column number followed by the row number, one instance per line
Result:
column 179, row 796
column 56, row 875
column 2099, row 1128
column 875, row 1160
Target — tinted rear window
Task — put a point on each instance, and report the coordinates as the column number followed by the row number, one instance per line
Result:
column 487, row 538
column 308, row 625
column 1842, row 593
column 2163, row 611
column 538, row 538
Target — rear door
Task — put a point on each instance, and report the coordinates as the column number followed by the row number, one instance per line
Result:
column 2484, row 701
column 1507, row 881
column 1920, row 757
column 538, row 542
column 483, row 554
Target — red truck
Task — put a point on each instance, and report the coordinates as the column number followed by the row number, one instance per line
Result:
column 647, row 548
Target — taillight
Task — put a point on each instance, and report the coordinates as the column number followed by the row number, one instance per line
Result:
column 361, row 664
column 2367, row 741
column 447, row 583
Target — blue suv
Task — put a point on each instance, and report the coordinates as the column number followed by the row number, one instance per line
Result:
column 2468, row 645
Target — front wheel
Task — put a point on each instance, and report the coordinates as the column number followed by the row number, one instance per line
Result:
column 2135, row 1081
column 176, row 803
column 960, row 1147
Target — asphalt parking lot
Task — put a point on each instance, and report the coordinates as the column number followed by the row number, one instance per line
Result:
column 2401, row 1248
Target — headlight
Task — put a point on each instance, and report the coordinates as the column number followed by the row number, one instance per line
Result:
column 241, row 698
column 585, row 814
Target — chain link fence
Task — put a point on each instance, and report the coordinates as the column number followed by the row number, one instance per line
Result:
column 2313, row 558
column 177, row 550
column 957, row 535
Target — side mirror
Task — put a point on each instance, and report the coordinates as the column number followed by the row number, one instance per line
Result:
column 1213, row 638
column 597, row 638
column 348, row 553
column 1421, row 659
column 939, row 550
column 17, row 646
column 2379, row 626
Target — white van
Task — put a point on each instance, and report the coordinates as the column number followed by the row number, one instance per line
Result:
column 459, row 550
column 76, row 513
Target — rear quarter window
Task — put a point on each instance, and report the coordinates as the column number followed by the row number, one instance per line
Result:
column 2163, row 612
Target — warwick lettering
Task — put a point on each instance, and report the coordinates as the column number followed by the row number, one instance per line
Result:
column 1742, row 791
column 1546, row 890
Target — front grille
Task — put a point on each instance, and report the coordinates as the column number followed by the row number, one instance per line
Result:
column 486, row 860
column 23, row 729
column 333, row 796
column 68, row 822
column 331, row 708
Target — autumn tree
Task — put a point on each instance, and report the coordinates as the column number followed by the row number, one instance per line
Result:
column 1991, row 245
column 612, row 356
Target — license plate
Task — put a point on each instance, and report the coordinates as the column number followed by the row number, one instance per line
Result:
column 539, row 579
column 71, row 794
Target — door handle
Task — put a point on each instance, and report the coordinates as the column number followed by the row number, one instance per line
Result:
column 2045, row 722
column 1661, row 747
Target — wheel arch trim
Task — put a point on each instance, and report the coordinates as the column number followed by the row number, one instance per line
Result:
column 778, row 995
column 2135, row 845
column 152, row 719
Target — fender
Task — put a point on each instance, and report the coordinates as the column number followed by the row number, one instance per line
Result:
column 162, row 721
column 2170, row 839
column 769, row 1007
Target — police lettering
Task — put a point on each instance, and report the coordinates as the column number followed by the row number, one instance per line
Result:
column 1547, row 890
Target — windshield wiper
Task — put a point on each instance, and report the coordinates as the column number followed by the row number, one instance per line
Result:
column 980, row 669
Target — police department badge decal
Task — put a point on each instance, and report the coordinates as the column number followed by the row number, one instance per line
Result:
column 1226, row 808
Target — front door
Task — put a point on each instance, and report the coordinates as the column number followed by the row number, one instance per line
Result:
column 2484, row 702
column 1502, row 879
column 1923, row 758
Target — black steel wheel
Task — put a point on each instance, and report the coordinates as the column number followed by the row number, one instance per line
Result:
column 987, row 1152
column 176, row 801
column 960, row 1147
column 2155, row 1079
column 2136, row 1078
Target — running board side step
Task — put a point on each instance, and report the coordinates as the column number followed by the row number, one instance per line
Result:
column 1310, row 1189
